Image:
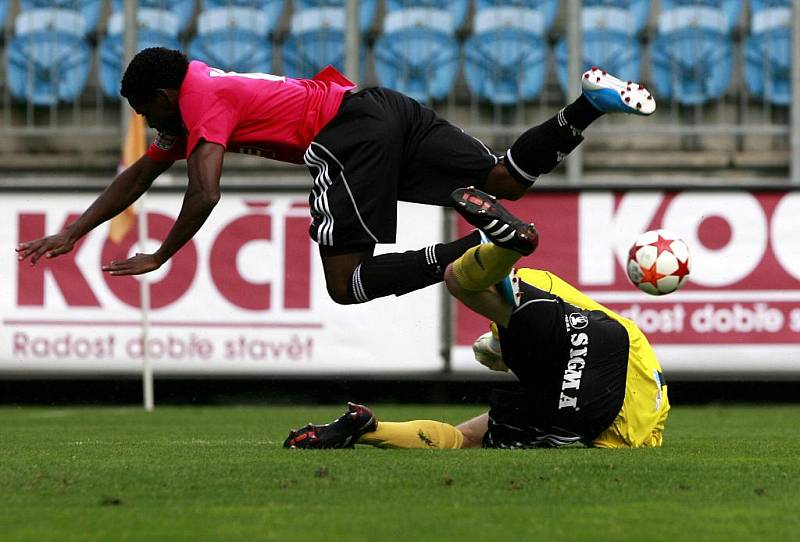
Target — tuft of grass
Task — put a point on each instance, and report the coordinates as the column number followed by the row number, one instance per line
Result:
column 725, row 473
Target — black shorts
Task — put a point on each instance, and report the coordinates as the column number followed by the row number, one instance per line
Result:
column 572, row 365
column 382, row 147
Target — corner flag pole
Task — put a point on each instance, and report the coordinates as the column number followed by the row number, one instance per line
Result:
column 144, row 304
column 134, row 146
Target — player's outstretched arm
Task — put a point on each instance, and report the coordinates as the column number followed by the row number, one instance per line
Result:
column 202, row 194
column 118, row 196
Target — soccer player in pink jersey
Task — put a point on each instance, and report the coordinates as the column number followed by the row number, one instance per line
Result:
column 366, row 150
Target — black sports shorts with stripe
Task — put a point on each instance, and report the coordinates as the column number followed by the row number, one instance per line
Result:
column 572, row 365
column 381, row 147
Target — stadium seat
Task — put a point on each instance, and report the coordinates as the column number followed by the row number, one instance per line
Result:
column 157, row 20
column 457, row 9
column 617, row 52
column 306, row 54
column 182, row 9
column 366, row 15
column 506, row 65
column 767, row 52
column 68, row 21
column 548, row 9
column 316, row 39
column 233, row 39
column 627, row 16
column 111, row 52
column 532, row 21
column 46, row 67
column 609, row 39
column 719, row 15
column 633, row 13
column 692, row 66
column 767, row 67
column 89, row 10
column 419, row 61
column 769, row 14
column 269, row 11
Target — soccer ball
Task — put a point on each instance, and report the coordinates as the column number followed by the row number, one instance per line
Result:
column 658, row 262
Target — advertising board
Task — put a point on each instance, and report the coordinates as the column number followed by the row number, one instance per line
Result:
column 245, row 296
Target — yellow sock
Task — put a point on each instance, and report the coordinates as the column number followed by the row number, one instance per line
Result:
column 484, row 265
column 414, row 434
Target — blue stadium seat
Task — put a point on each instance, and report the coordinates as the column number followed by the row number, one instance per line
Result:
column 532, row 21
column 768, row 14
column 155, row 19
column 306, row 54
column 457, row 9
column 547, row 8
column 111, row 52
column 46, row 67
column 767, row 52
column 233, row 50
column 233, row 39
column 419, row 61
column 629, row 16
column 183, row 9
column 719, row 15
column 692, row 66
column 316, row 39
column 506, row 65
column 69, row 21
column 89, row 9
column 366, row 15
column 617, row 52
column 270, row 10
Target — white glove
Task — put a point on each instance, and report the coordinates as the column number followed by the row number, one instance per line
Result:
column 487, row 351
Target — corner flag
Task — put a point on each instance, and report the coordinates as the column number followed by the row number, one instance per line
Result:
column 134, row 148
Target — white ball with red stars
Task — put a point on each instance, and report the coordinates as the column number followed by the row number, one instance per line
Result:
column 658, row 262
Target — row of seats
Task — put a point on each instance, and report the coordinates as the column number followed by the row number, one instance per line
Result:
column 177, row 15
column 504, row 58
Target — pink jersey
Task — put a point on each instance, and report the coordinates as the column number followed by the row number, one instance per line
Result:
column 253, row 113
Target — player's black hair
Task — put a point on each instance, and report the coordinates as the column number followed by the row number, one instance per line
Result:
column 152, row 69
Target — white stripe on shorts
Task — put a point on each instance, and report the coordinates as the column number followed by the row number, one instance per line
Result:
column 344, row 181
column 320, row 202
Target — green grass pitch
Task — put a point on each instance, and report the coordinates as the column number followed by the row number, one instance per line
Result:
column 219, row 473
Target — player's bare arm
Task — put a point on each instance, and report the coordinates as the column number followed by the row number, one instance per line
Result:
column 125, row 189
column 202, row 194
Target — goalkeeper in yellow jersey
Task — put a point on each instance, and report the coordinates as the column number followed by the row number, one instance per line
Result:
column 587, row 374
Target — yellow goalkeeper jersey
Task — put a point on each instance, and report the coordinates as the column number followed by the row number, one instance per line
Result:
column 641, row 420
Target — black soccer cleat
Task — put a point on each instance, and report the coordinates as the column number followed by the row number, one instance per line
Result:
column 501, row 227
column 340, row 433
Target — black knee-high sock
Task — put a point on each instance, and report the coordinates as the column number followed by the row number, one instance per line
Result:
column 401, row 272
column 581, row 113
column 540, row 149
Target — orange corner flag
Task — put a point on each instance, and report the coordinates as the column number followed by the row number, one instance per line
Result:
column 134, row 148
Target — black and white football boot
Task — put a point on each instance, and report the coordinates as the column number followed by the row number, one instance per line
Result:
column 501, row 227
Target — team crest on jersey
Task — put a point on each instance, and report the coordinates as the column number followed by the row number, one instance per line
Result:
column 164, row 141
column 578, row 320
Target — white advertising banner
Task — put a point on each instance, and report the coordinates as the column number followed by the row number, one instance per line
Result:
column 738, row 314
column 246, row 296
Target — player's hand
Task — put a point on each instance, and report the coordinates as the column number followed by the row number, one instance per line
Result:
column 49, row 247
column 138, row 265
